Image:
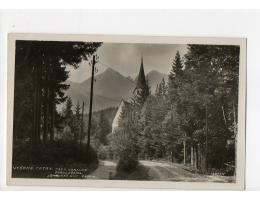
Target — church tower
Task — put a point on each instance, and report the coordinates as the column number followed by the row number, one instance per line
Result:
column 141, row 90
column 141, row 82
column 140, row 94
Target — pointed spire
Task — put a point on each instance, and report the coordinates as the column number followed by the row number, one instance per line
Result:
column 141, row 83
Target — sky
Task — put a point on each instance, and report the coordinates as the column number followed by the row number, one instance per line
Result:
column 126, row 58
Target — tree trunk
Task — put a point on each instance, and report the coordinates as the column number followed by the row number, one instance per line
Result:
column 46, row 105
column 192, row 156
column 196, row 157
column 34, row 103
column 52, row 102
column 206, row 145
column 52, row 115
column 35, row 99
column 82, row 125
column 203, row 159
column 184, row 152
column 36, row 111
column 38, row 104
column 224, row 116
column 199, row 157
column 235, row 135
column 52, row 123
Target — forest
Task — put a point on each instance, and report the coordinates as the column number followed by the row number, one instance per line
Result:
column 40, row 75
column 190, row 119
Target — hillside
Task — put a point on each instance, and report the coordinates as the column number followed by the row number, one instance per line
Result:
column 110, row 87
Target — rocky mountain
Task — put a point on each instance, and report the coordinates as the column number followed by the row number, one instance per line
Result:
column 110, row 87
column 154, row 78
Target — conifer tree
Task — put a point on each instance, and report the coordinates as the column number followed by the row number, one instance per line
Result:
column 174, row 80
column 177, row 66
column 77, row 122
column 77, row 111
column 68, row 113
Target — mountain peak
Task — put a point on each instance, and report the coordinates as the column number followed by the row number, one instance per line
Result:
column 109, row 88
column 110, row 72
column 109, row 69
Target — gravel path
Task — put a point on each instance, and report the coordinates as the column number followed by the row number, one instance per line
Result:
column 159, row 171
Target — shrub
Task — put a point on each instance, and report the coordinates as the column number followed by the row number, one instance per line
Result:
column 103, row 152
column 128, row 160
column 139, row 173
column 54, row 154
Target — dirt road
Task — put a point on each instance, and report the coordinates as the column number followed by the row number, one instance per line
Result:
column 165, row 171
column 159, row 171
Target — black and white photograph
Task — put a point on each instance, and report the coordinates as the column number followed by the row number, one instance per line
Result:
column 137, row 110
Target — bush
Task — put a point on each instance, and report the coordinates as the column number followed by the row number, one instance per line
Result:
column 54, row 154
column 87, row 155
column 103, row 152
column 139, row 173
column 128, row 160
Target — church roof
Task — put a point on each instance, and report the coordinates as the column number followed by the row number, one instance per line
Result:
column 141, row 82
column 123, row 105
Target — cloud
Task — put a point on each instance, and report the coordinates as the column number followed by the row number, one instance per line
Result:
column 125, row 58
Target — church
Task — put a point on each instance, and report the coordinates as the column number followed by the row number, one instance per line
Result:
column 141, row 85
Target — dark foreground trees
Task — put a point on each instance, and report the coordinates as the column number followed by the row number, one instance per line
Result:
column 40, row 73
column 212, row 72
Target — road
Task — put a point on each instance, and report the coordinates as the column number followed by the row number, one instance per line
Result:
column 160, row 171
column 166, row 171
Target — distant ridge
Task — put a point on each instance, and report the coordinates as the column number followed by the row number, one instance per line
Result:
column 110, row 88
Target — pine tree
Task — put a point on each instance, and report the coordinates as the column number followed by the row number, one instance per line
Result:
column 77, row 111
column 161, row 89
column 68, row 113
column 77, row 122
column 164, row 88
column 177, row 67
column 175, row 79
